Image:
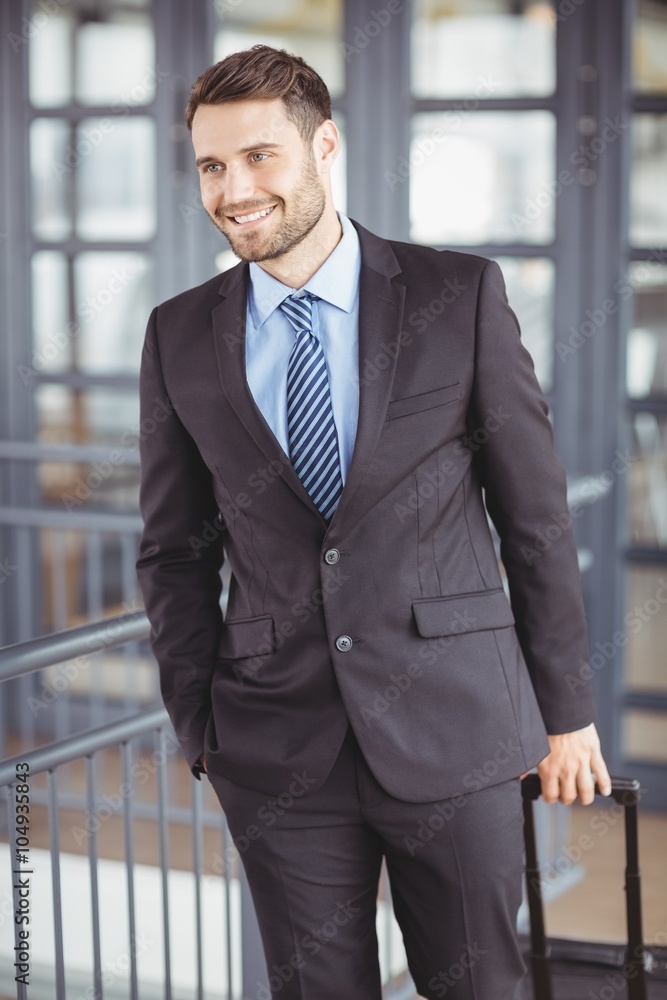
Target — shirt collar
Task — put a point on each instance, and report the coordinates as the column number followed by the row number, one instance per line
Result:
column 336, row 280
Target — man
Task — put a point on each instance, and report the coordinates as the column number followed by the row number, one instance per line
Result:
column 338, row 403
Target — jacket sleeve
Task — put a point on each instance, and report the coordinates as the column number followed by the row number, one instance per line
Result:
column 178, row 571
column 525, row 495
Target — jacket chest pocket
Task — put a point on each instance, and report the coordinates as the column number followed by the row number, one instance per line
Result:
column 424, row 401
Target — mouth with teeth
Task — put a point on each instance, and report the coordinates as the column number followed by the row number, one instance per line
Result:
column 251, row 220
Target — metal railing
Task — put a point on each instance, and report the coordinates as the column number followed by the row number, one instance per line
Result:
column 206, row 916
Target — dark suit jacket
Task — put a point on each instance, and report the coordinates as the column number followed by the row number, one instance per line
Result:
column 393, row 616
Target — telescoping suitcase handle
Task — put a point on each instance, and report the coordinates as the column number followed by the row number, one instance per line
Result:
column 626, row 791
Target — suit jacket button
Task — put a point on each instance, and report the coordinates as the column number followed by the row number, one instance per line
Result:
column 343, row 642
column 331, row 556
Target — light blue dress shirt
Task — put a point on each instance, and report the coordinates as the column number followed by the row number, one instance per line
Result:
column 270, row 337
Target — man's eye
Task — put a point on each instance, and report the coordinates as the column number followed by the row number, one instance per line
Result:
column 253, row 155
column 211, row 167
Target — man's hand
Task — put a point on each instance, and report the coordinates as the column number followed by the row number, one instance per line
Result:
column 566, row 772
column 203, row 762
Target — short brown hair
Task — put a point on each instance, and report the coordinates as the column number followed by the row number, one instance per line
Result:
column 265, row 73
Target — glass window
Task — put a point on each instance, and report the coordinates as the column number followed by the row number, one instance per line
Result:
column 50, row 315
column 644, row 637
column 483, row 48
column 116, row 179
column 114, row 298
column 80, row 51
column 530, row 292
column 52, row 159
column 50, row 57
column 480, row 177
column 645, row 736
column 309, row 28
column 645, row 628
column 110, row 482
column 648, row 181
column 647, row 485
column 115, row 60
column 646, row 369
column 650, row 46
column 95, row 416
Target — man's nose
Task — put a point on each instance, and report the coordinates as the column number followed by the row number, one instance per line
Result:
column 239, row 187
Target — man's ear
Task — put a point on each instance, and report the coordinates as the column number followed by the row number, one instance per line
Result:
column 326, row 144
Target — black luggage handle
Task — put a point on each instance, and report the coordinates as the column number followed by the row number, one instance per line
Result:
column 627, row 792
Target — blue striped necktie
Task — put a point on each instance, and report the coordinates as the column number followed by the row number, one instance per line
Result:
column 313, row 441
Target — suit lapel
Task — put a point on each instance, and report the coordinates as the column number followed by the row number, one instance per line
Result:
column 229, row 323
column 381, row 302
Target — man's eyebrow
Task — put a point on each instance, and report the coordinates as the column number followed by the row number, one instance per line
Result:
column 201, row 160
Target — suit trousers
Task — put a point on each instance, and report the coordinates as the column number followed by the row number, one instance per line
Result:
column 313, row 863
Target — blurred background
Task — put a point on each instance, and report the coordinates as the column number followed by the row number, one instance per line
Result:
column 533, row 132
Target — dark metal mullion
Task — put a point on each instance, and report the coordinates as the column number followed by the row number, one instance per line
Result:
column 602, row 234
column 655, row 104
column 568, row 232
column 632, row 555
column 185, row 251
column 395, row 122
column 20, row 618
column 648, row 254
column 377, row 120
column 647, row 404
column 645, row 556
column 73, row 245
column 647, row 701
column 76, row 113
column 84, row 380
column 476, row 104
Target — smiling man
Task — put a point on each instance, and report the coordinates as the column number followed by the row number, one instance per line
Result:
column 343, row 410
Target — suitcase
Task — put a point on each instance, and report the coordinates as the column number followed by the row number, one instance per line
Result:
column 579, row 970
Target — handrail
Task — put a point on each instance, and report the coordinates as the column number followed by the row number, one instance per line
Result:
column 52, row 517
column 35, row 451
column 25, row 657
column 63, row 751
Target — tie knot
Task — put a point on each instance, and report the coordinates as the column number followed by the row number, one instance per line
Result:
column 298, row 309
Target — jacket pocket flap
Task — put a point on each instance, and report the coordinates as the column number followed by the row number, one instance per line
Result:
column 242, row 637
column 486, row 609
column 423, row 401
